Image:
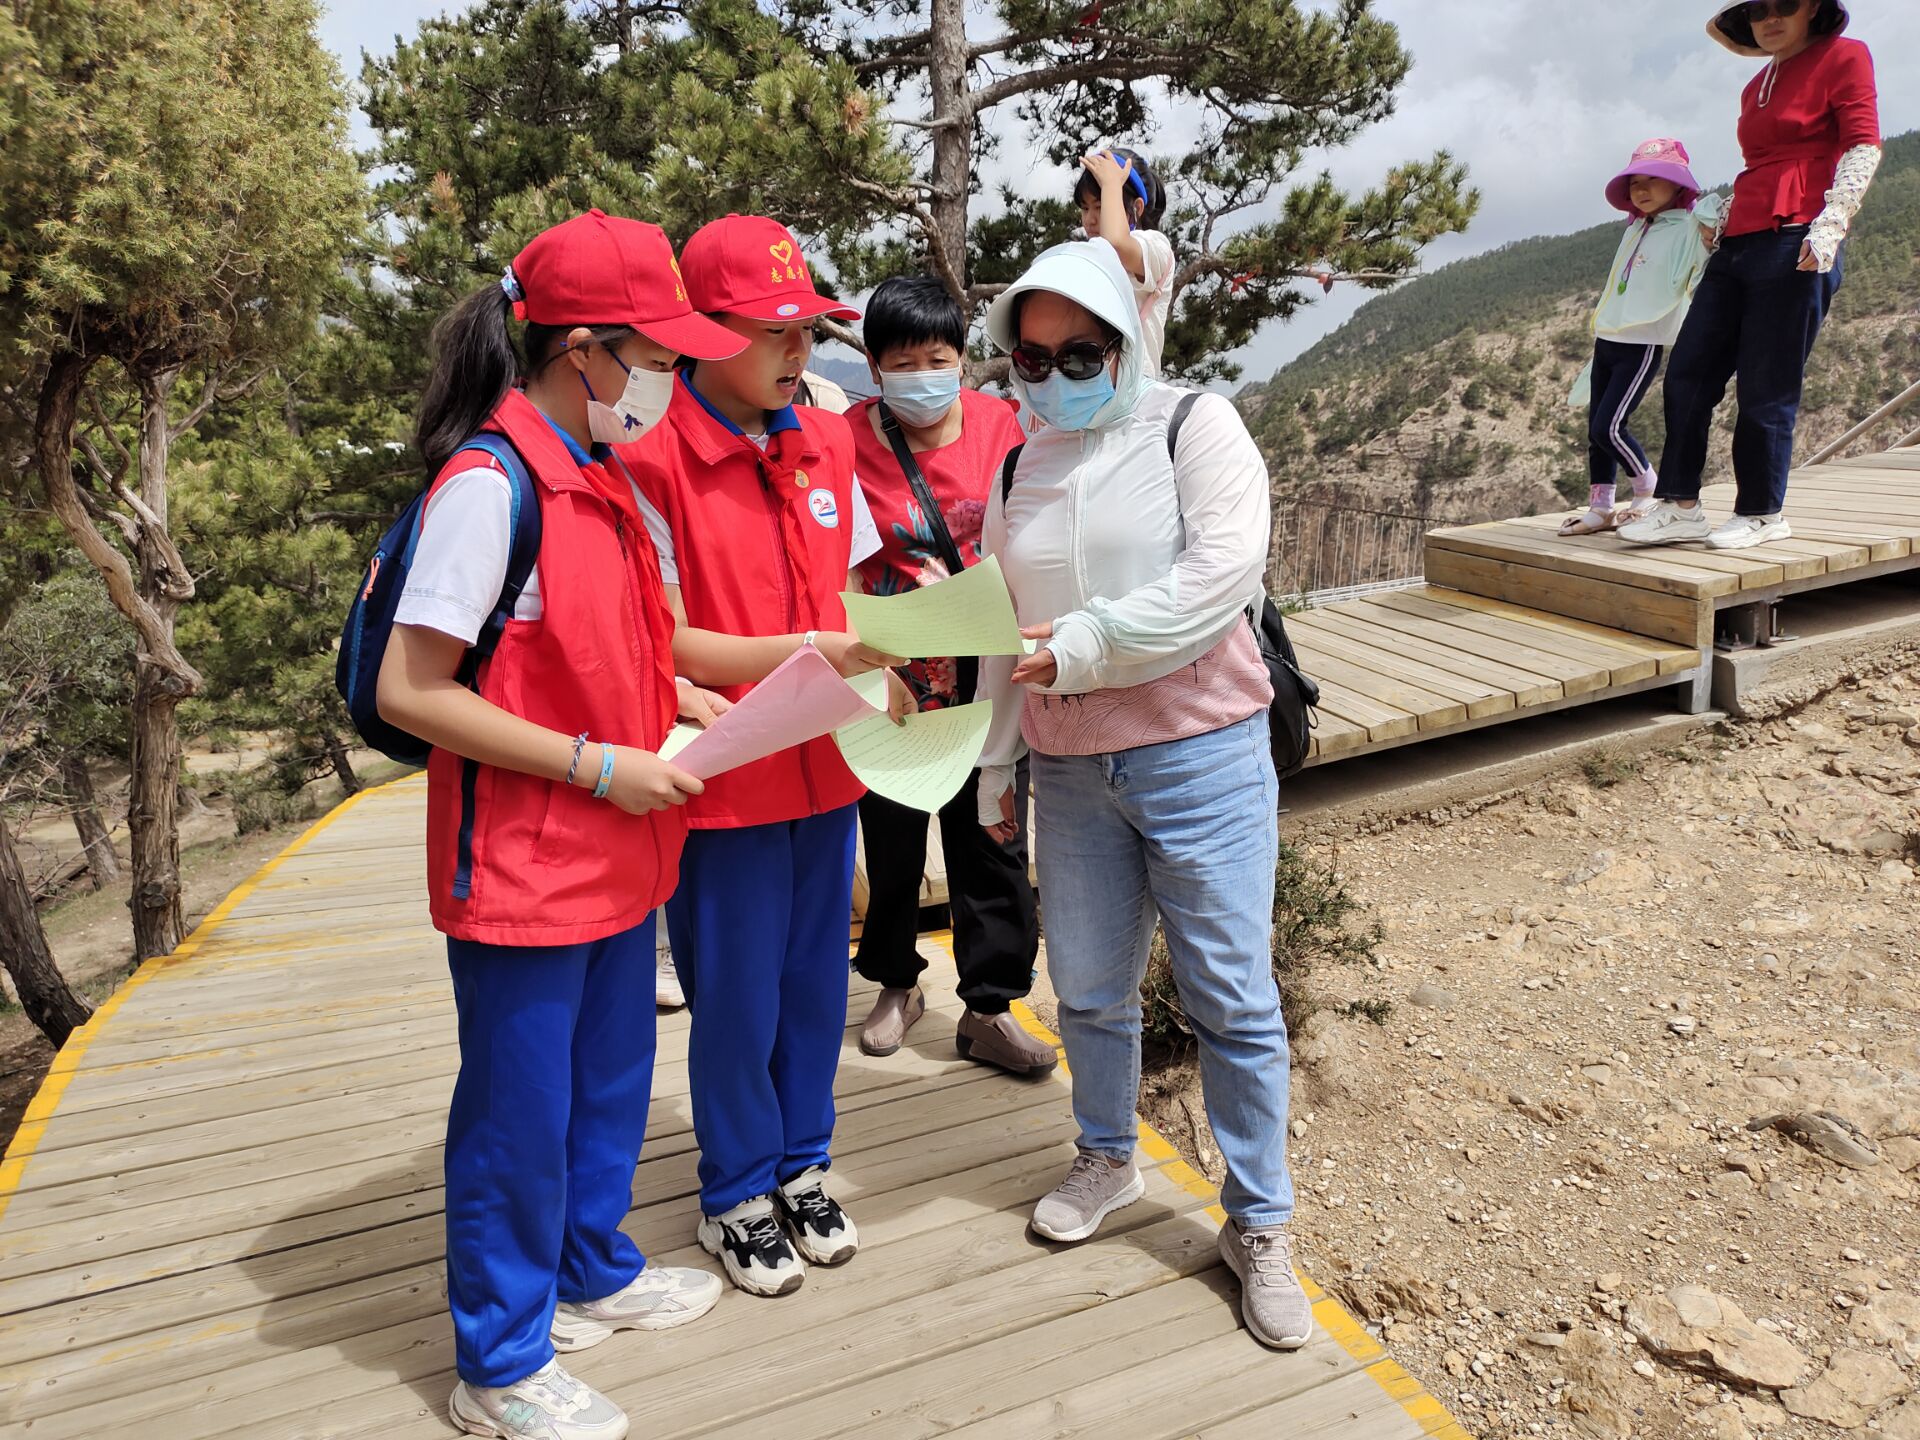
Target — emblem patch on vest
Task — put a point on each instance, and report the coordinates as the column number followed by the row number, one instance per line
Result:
column 824, row 507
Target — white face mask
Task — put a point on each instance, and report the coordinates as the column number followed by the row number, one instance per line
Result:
column 640, row 406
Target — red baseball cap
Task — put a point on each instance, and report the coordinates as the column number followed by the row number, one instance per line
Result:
column 598, row 269
column 750, row 265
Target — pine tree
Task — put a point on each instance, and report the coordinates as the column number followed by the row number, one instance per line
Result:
column 178, row 198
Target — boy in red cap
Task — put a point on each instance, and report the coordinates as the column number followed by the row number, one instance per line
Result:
column 553, row 829
column 757, row 520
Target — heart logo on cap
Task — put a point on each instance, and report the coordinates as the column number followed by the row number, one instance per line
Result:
column 783, row 251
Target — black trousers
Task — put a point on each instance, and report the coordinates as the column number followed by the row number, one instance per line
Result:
column 996, row 928
column 1622, row 375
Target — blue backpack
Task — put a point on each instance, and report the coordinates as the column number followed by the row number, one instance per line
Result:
column 363, row 640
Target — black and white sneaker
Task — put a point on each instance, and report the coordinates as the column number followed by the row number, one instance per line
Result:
column 753, row 1248
column 820, row 1228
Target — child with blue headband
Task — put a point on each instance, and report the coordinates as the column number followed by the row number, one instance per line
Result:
column 1122, row 202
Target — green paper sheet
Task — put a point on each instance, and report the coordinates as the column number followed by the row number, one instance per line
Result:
column 966, row 614
column 923, row 763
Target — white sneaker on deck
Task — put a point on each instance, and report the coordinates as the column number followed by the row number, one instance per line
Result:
column 1667, row 524
column 548, row 1405
column 658, row 1298
column 755, row 1251
column 667, row 993
column 1745, row 530
column 821, row 1230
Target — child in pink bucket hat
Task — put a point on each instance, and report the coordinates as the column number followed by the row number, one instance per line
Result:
column 1649, row 287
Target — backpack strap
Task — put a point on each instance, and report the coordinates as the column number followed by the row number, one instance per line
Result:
column 1006, row 473
column 922, row 492
column 523, row 545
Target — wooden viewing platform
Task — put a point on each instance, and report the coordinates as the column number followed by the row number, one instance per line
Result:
column 1514, row 620
column 222, row 1217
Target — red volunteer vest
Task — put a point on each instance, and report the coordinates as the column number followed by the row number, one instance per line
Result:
column 547, row 864
column 762, row 542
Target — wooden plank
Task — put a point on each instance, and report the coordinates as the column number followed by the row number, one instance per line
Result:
column 1431, row 710
column 1526, row 686
column 1668, row 659
column 1618, row 665
column 1381, row 722
column 1621, row 607
column 1753, row 569
column 1333, row 736
column 1598, row 557
column 1479, row 699
column 1199, row 1383
column 1577, row 674
column 1354, row 1405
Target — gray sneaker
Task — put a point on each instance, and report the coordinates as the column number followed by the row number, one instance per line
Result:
column 1271, row 1300
column 548, row 1405
column 1092, row 1191
column 659, row 1298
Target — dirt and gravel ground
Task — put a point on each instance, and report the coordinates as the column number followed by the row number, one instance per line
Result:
column 1548, row 1179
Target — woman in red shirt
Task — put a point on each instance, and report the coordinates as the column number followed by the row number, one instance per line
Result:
column 1810, row 135
column 955, row 439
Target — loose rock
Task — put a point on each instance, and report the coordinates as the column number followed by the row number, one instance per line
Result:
column 1692, row 1326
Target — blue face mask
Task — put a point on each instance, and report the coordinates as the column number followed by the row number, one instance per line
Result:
column 920, row 397
column 1071, row 404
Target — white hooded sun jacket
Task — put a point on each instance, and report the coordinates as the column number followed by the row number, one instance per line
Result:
column 1142, row 568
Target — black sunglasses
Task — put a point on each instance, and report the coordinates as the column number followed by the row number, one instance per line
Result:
column 1082, row 360
column 1757, row 10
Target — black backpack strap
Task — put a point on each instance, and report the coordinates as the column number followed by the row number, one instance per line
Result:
column 1182, row 408
column 922, row 492
column 1006, row 473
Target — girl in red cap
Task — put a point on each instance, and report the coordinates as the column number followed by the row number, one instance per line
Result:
column 553, row 829
column 757, row 520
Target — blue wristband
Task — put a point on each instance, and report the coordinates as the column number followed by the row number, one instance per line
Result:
column 606, row 772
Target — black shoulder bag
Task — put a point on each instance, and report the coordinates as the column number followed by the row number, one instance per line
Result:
column 1294, row 714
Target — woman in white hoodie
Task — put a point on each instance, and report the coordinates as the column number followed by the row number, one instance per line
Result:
column 1145, row 711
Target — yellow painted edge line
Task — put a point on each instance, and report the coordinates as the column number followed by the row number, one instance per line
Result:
column 66, row 1063
column 1328, row 1313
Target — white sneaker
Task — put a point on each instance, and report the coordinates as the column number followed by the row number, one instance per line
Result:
column 1667, row 524
column 753, row 1248
column 658, row 1298
column 667, row 993
column 548, row 1405
column 1744, row 530
column 1093, row 1190
column 821, row 1231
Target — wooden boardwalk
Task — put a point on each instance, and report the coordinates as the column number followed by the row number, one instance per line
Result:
column 1514, row 620
column 222, row 1217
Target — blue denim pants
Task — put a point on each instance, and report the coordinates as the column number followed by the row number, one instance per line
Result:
column 1187, row 832
column 1754, row 317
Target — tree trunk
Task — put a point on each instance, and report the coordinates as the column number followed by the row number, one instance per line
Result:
column 95, row 839
column 952, row 142
column 44, row 994
column 342, row 763
column 153, row 809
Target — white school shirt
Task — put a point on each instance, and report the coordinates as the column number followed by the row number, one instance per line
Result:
column 460, row 563
column 1140, row 568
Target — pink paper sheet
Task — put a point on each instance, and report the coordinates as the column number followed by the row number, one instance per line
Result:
column 802, row 700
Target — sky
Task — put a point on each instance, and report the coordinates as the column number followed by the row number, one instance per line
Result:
column 1543, row 100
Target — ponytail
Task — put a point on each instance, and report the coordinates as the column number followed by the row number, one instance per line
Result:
column 474, row 366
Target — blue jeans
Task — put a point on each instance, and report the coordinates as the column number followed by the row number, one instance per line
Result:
column 548, row 1112
column 759, row 928
column 1185, row 831
column 1755, row 316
